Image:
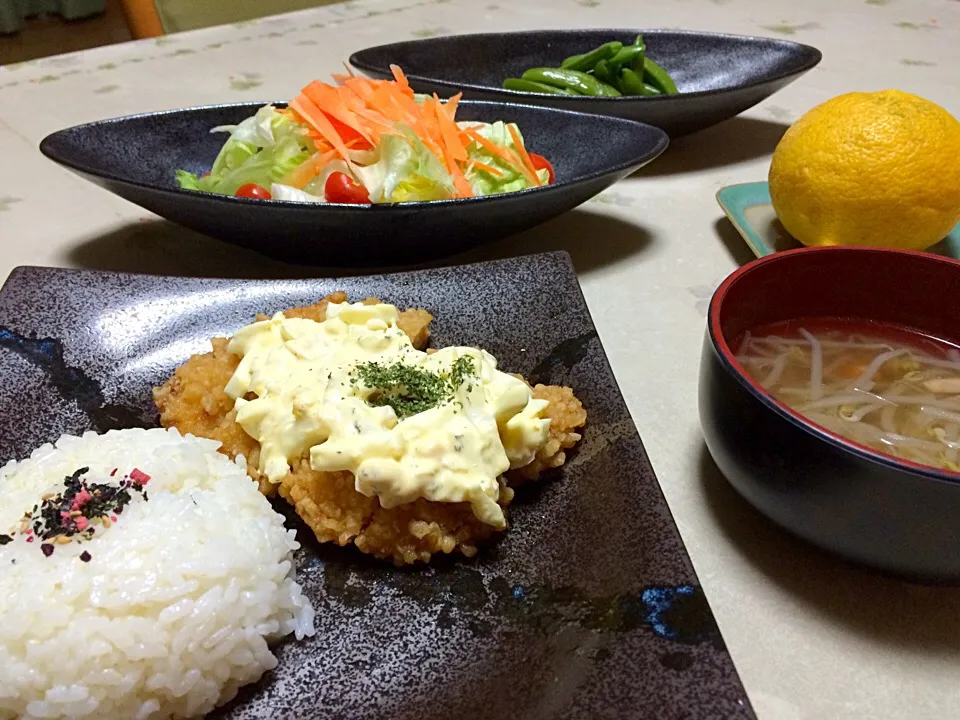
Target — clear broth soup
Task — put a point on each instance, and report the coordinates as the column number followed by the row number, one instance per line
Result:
column 891, row 389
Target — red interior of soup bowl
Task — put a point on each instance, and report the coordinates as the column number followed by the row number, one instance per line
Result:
column 910, row 289
column 913, row 290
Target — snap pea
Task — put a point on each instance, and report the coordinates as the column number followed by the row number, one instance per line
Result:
column 610, row 70
column 632, row 84
column 626, row 57
column 571, row 80
column 521, row 85
column 602, row 72
column 637, row 63
column 658, row 77
column 587, row 61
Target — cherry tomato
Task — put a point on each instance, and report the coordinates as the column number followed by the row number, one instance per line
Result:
column 340, row 188
column 205, row 175
column 252, row 190
column 351, row 138
column 541, row 163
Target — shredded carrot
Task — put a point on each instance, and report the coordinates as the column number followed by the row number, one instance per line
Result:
column 315, row 117
column 453, row 151
column 449, row 134
column 400, row 78
column 356, row 112
column 487, row 168
column 361, row 86
column 449, row 108
column 357, row 103
column 852, row 370
column 502, row 153
column 395, row 104
column 524, row 156
column 307, row 171
column 518, row 163
column 332, row 104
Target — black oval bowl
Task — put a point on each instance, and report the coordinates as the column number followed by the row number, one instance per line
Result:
column 136, row 158
column 868, row 507
column 718, row 75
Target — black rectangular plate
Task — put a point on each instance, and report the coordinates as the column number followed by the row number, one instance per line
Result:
column 588, row 608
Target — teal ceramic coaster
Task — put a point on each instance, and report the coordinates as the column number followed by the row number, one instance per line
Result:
column 749, row 209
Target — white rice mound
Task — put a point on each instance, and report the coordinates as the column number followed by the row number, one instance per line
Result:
column 175, row 609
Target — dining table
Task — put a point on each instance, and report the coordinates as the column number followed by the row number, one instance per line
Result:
column 811, row 635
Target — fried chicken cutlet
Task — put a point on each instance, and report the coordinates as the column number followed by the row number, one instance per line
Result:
column 194, row 401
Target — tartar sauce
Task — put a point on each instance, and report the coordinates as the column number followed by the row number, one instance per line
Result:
column 355, row 392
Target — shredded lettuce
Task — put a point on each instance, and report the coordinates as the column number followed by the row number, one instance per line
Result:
column 285, row 192
column 187, row 180
column 257, row 130
column 319, row 183
column 268, row 166
column 484, row 182
column 264, row 149
column 406, row 171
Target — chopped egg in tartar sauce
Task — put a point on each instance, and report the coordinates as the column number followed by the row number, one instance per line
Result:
column 355, row 392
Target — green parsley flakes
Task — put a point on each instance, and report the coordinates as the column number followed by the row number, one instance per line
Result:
column 410, row 389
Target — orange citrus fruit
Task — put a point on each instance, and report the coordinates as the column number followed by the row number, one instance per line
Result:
column 880, row 169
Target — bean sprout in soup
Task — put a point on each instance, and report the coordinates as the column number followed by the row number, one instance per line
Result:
column 894, row 390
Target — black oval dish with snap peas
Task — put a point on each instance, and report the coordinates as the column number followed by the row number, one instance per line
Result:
column 611, row 70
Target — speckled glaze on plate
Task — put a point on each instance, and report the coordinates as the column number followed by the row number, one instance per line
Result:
column 588, row 608
column 136, row 157
column 718, row 75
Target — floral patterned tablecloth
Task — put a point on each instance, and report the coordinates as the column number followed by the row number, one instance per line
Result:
column 811, row 637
